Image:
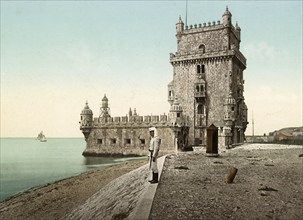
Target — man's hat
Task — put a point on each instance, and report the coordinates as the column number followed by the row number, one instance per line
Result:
column 152, row 129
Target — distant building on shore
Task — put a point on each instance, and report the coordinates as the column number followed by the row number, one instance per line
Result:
column 207, row 88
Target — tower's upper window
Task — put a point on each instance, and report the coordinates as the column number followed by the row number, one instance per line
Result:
column 201, row 68
column 200, row 109
column 202, row 48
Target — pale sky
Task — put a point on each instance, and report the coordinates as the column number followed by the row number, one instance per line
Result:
column 55, row 55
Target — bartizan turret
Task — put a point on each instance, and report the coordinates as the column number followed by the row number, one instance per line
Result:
column 171, row 92
column 227, row 18
column 178, row 124
column 176, row 114
column 238, row 32
column 179, row 29
column 244, row 116
column 229, row 110
column 229, row 119
column 86, row 120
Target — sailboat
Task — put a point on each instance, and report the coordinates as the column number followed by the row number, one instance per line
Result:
column 41, row 137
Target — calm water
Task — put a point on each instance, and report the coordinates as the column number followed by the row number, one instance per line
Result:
column 26, row 162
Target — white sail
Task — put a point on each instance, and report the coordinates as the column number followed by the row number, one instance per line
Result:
column 41, row 137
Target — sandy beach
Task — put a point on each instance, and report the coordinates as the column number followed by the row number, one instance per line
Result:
column 268, row 185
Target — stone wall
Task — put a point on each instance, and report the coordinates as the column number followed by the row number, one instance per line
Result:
column 126, row 141
column 217, row 78
column 214, row 38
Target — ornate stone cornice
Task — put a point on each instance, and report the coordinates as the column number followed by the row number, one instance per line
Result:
column 207, row 57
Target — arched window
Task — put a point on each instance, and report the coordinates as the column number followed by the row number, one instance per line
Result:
column 202, row 48
column 200, row 109
column 198, row 69
column 203, row 68
column 201, row 88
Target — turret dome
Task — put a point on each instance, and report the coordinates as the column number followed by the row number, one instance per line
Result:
column 104, row 103
column 105, row 98
column 86, row 110
column 227, row 17
column 227, row 12
column 180, row 20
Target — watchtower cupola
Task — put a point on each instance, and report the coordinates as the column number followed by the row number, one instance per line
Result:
column 179, row 29
column 227, row 17
column 86, row 116
column 179, row 26
column 86, row 122
column 238, row 32
column 104, row 110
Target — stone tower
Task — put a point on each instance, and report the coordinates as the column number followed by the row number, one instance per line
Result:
column 208, row 80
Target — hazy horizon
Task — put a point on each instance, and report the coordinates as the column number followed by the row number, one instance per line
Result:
column 56, row 55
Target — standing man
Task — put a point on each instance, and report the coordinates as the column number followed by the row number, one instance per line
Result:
column 154, row 150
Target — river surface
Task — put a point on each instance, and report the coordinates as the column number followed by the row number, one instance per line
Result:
column 27, row 162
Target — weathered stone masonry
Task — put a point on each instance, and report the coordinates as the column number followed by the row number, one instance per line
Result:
column 207, row 88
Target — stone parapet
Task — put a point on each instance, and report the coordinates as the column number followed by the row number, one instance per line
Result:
column 210, row 26
column 131, row 121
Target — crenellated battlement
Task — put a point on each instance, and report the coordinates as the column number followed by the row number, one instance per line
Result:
column 210, row 26
column 129, row 121
column 189, row 29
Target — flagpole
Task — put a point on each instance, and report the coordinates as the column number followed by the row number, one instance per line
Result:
column 186, row 15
